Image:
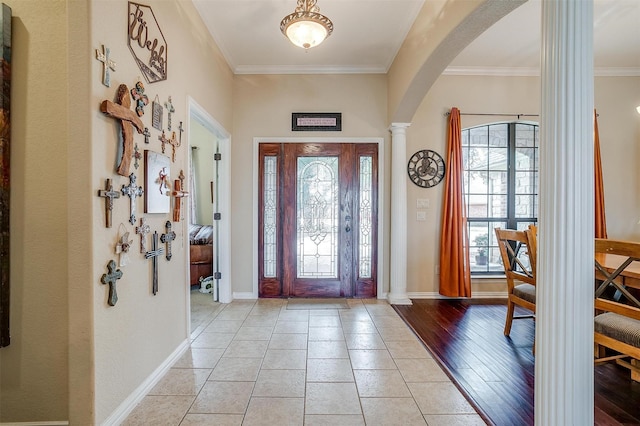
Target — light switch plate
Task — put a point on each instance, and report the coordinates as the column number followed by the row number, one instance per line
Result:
column 422, row 203
column 421, row 216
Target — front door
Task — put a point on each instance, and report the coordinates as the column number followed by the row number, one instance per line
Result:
column 318, row 221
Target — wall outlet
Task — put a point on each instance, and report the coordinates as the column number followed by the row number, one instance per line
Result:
column 422, row 203
column 421, row 216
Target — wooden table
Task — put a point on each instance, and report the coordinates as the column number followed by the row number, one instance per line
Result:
column 630, row 277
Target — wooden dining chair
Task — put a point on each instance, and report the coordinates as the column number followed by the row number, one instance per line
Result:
column 518, row 254
column 617, row 322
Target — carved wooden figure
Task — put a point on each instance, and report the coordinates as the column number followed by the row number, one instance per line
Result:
column 109, row 194
column 132, row 191
column 107, row 64
column 167, row 238
column 121, row 111
column 170, row 110
column 143, row 230
column 110, row 278
column 153, row 255
column 182, row 177
column 178, row 195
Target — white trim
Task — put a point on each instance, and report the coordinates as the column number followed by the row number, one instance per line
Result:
column 52, row 423
column 198, row 113
column 302, row 69
column 245, row 295
column 381, row 285
column 535, row 71
column 476, row 295
column 127, row 406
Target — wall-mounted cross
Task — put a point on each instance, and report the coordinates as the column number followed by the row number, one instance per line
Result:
column 153, row 255
column 132, row 191
column 181, row 130
column 111, row 278
column 167, row 238
column 170, row 110
column 121, row 111
column 147, row 134
column 107, row 64
column 136, row 156
column 178, row 194
column 182, row 177
column 143, row 230
column 109, row 194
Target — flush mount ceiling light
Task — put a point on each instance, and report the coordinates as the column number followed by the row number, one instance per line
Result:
column 306, row 27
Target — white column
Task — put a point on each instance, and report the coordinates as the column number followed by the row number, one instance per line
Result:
column 565, row 288
column 398, row 273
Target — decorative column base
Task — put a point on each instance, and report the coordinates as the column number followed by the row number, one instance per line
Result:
column 399, row 299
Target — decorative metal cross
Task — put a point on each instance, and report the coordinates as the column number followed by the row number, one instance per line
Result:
column 167, row 238
column 132, row 191
column 111, row 278
column 170, row 110
column 181, row 130
column 178, row 194
column 109, row 194
column 163, row 140
column 143, row 230
column 147, row 134
column 153, row 255
column 174, row 144
column 142, row 100
column 121, row 111
column 107, row 64
column 136, row 156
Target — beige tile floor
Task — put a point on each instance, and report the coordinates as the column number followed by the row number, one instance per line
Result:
column 259, row 363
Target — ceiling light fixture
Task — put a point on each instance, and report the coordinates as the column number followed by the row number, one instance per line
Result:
column 306, row 27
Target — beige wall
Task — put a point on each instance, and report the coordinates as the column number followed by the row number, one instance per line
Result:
column 262, row 108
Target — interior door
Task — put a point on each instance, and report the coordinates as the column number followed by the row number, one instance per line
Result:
column 319, row 216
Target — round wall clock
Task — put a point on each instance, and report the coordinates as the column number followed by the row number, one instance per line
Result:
column 426, row 168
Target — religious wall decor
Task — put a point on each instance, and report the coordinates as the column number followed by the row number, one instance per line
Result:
column 316, row 121
column 147, row 43
column 110, row 278
column 108, row 64
column 174, row 144
column 157, row 171
column 120, row 110
column 153, row 255
column 170, row 110
column 137, row 156
column 181, row 130
column 147, row 135
column 132, row 191
column 143, row 230
column 109, row 195
column 142, row 100
column 178, row 194
column 167, row 238
column 157, row 112
column 122, row 246
column 5, row 139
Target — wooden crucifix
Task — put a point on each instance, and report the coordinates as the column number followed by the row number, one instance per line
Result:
column 107, row 63
column 109, row 194
column 132, row 191
column 153, row 255
column 174, row 144
column 178, row 195
column 121, row 110
column 111, row 278
column 167, row 238
column 143, row 230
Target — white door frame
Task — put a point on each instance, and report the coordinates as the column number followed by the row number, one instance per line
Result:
column 381, row 196
column 199, row 114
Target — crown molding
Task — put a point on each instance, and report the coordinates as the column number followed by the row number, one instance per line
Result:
column 306, row 69
column 535, row 71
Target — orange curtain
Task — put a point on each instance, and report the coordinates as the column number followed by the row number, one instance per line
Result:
column 455, row 276
column 600, row 219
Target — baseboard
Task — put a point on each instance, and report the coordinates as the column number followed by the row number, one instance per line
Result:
column 476, row 295
column 127, row 406
column 53, row 423
column 244, row 295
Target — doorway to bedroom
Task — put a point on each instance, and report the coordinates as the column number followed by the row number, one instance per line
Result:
column 317, row 219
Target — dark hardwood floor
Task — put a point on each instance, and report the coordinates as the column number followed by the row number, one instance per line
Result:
column 495, row 372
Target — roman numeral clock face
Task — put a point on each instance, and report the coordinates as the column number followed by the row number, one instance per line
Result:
column 426, row 168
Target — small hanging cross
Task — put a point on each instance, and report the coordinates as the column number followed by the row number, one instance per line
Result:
column 107, row 64
column 153, row 255
column 182, row 177
column 142, row 100
column 136, row 156
column 121, row 111
column 167, row 238
column 170, row 110
column 174, row 144
column 181, row 130
column 111, row 278
column 132, row 191
column 109, row 194
column 163, row 140
column 146, row 134
column 143, row 230
column 178, row 194
column 122, row 248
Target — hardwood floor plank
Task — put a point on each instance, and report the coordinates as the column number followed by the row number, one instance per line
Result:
column 496, row 372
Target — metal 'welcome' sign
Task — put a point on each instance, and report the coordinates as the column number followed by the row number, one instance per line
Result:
column 147, row 43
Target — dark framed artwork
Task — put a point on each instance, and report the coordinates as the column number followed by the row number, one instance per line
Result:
column 316, row 121
column 5, row 138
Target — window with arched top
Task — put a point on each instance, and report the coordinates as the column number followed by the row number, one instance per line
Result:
column 500, row 188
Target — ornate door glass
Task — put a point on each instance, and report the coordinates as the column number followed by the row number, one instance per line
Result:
column 270, row 245
column 366, row 213
column 317, row 217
